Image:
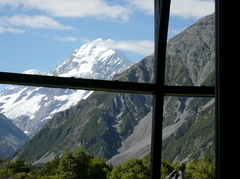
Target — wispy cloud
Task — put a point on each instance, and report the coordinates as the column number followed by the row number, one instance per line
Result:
column 142, row 47
column 12, row 30
column 65, row 39
column 32, row 21
column 191, row 8
column 143, row 5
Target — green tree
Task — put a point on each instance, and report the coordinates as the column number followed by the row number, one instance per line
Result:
column 166, row 168
column 132, row 169
column 18, row 166
column 21, row 175
column 81, row 165
column 50, row 168
column 5, row 174
column 67, row 168
column 202, row 169
column 82, row 162
column 98, row 169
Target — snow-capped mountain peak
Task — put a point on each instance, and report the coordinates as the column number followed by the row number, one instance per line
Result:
column 92, row 60
column 31, row 107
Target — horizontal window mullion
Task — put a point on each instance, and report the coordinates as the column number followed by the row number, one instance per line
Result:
column 103, row 85
column 189, row 91
column 76, row 83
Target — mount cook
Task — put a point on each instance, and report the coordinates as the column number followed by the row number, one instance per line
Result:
column 31, row 107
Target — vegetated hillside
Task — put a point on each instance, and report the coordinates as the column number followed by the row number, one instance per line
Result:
column 11, row 137
column 109, row 124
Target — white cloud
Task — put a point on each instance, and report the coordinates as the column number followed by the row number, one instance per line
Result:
column 191, row 8
column 142, row 47
column 12, row 30
column 74, row 8
column 32, row 21
column 144, row 5
column 183, row 8
column 65, row 39
column 12, row 3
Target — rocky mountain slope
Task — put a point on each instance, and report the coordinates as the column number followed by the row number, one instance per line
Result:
column 11, row 137
column 117, row 126
column 31, row 107
column 191, row 54
column 188, row 122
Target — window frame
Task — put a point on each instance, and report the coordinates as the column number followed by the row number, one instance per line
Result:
column 158, row 89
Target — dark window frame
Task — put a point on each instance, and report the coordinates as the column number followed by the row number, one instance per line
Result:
column 158, row 89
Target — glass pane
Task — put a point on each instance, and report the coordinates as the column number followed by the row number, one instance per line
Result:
column 95, row 40
column 189, row 136
column 112, row 126
column 191, row 44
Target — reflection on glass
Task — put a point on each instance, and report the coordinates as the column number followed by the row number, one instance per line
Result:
column 189, row 134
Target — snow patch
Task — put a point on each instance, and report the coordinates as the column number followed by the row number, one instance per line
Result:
column 35, row 72
column 70, row 100
column 26, row 132
column 24, row 108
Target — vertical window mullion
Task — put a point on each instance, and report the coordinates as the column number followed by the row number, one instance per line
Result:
column 218, row 106
column 162, row 8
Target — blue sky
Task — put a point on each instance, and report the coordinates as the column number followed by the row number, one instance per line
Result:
column 40, row 34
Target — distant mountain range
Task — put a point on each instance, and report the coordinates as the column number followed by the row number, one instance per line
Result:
column 31, row 107
column 117, row 126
